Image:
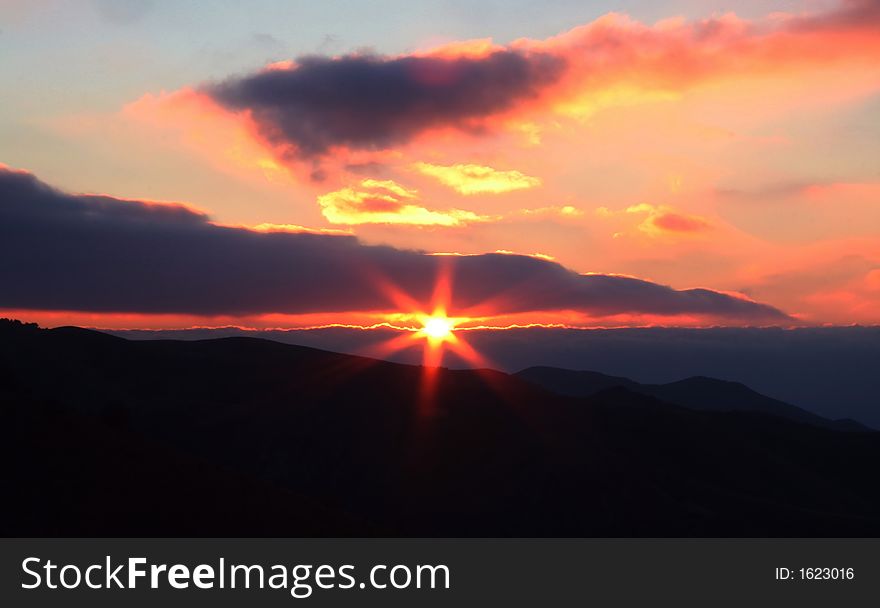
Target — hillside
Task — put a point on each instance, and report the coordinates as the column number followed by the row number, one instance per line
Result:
column 246, row 437
column 698, row 393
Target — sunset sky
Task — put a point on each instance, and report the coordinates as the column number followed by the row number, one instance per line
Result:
column 286, row 164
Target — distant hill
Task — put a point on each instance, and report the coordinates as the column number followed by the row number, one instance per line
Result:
column 697, row 393
column 248, row 437
column 831, row 371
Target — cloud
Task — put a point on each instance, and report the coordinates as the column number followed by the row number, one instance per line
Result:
column 96, row 253
column 541, row 256
column 676, row 222
column 315, row 104
column 805, row 189
column 387, row 202
column 566, row 211
column 835, row 283
column 297, row 229
column 322, row 109
column 662, row 219
column 477, row 179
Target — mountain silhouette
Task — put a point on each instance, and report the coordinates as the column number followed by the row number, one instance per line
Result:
column 248, row 437
column 697, row 392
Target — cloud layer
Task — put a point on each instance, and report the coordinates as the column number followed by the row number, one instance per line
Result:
column 96, row 253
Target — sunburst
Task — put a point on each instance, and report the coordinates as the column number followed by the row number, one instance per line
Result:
column 438, row 328
column 436, row 331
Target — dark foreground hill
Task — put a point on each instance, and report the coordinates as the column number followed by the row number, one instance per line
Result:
column 240, row 437
column 697, row 392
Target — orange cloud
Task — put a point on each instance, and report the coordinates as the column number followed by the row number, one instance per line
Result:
column 848, row 190
column 829, row 281
column 872, row 281
column 472, row 49
column 296, row 229
column 387, row 202
column 560, row 211
column 477, row 179
column 662, row 219
column 477, row 88
column 228, row 141
column 674, row 222
column 540, row 256
column 616, row 61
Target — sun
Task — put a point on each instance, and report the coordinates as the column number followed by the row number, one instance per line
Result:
column 437, row 328
column 435, row 331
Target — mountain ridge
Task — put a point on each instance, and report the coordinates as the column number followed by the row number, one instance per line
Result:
column 694, row 392
column 119, row 437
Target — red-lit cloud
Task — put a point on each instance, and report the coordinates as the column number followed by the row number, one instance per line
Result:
column 662, row 220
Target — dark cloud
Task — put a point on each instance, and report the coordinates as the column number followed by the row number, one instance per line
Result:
column 96, row 253
column 371, row 102
column 849, row 13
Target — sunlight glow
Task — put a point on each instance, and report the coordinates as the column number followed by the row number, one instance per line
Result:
column 437, row 328
column 437, row 332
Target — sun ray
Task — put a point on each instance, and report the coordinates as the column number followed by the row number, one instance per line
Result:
column 436, row 331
